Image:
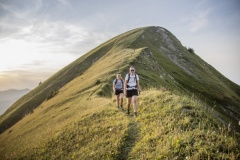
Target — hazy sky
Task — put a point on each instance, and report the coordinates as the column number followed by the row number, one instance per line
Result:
column 39, row 37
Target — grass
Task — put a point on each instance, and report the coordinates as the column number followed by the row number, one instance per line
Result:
column 71, row 115
column 169, row 126
column 187, row 72
column 105, row 53
column 81, row 141
column 159, row 59
column 175, row 127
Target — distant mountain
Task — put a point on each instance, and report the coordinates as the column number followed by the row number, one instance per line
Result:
column 8, row 97
column 187, row 110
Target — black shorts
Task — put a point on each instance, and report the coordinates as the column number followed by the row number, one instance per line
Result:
column 117, row 92
column 133, row 92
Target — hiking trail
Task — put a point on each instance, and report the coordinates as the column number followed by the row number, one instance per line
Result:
column 129, row 140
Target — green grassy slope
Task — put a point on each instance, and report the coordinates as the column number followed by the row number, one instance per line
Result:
column 174, row 67
column 71, row 115
column 50, row 87
column 164, row 62
column 169, row 126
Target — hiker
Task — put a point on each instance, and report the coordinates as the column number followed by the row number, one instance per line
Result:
column 118, row 90
column 132, row 89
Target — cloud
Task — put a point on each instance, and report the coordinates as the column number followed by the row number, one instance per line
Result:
column 42, row 48
column 66, row 3
column 199, row 20
column 53, row 36
column 12, row 20
column 21, row 21
column 59, row 37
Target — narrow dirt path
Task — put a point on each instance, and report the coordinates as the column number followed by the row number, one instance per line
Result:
column 130, row 140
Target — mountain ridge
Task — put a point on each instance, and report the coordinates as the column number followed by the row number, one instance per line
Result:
column 81, row 92
column 164, row 47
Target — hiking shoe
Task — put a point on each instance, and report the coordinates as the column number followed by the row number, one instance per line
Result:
column 135, row 114
column 121, row 107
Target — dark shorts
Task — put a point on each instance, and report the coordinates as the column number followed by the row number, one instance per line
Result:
column 133, row 92
column 117, row 92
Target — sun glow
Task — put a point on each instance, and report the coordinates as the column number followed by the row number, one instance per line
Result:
column 23, row 64
column 15, row 53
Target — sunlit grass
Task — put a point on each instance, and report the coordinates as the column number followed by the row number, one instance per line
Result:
column 168, row 126
column 178, row 127
column 79, row 119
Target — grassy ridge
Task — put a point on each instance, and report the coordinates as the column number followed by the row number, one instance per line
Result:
column 168, row 126
column 51, row 86
column 77, row 120
column 159, row 58
column 178, row 127
column 171, row 65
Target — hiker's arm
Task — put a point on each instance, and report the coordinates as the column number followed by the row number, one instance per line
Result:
column 139, row 88
column 124, row 87
column 113, row 87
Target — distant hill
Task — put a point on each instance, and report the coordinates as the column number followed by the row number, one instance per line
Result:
column 187, row 110
column 8, row 97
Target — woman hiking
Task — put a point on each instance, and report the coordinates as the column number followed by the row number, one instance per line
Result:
column 118, row 90
column 132, row 89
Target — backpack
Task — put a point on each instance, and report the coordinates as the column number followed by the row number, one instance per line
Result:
column 134, row 78
column 117, row 80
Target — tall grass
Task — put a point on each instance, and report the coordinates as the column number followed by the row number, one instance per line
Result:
column 178, row 127
column 168, row 126
column 78, row 119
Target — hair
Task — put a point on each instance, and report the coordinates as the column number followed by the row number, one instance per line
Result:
column 118, row 74
column 132, row 67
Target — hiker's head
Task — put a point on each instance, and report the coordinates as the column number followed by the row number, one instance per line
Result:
column 131, row 69
column 119, row 75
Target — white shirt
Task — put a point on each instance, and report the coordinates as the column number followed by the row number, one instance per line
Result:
column 132, row 81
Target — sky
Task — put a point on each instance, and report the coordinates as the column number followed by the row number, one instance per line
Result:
column 40, row 37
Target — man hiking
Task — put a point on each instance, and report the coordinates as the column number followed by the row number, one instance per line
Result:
column 118, row 90
column 132, row 89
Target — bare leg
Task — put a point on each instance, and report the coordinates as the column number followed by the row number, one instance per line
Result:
column 121, row 99
column 117, row 96
column 129, row 100
column 134, row 99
